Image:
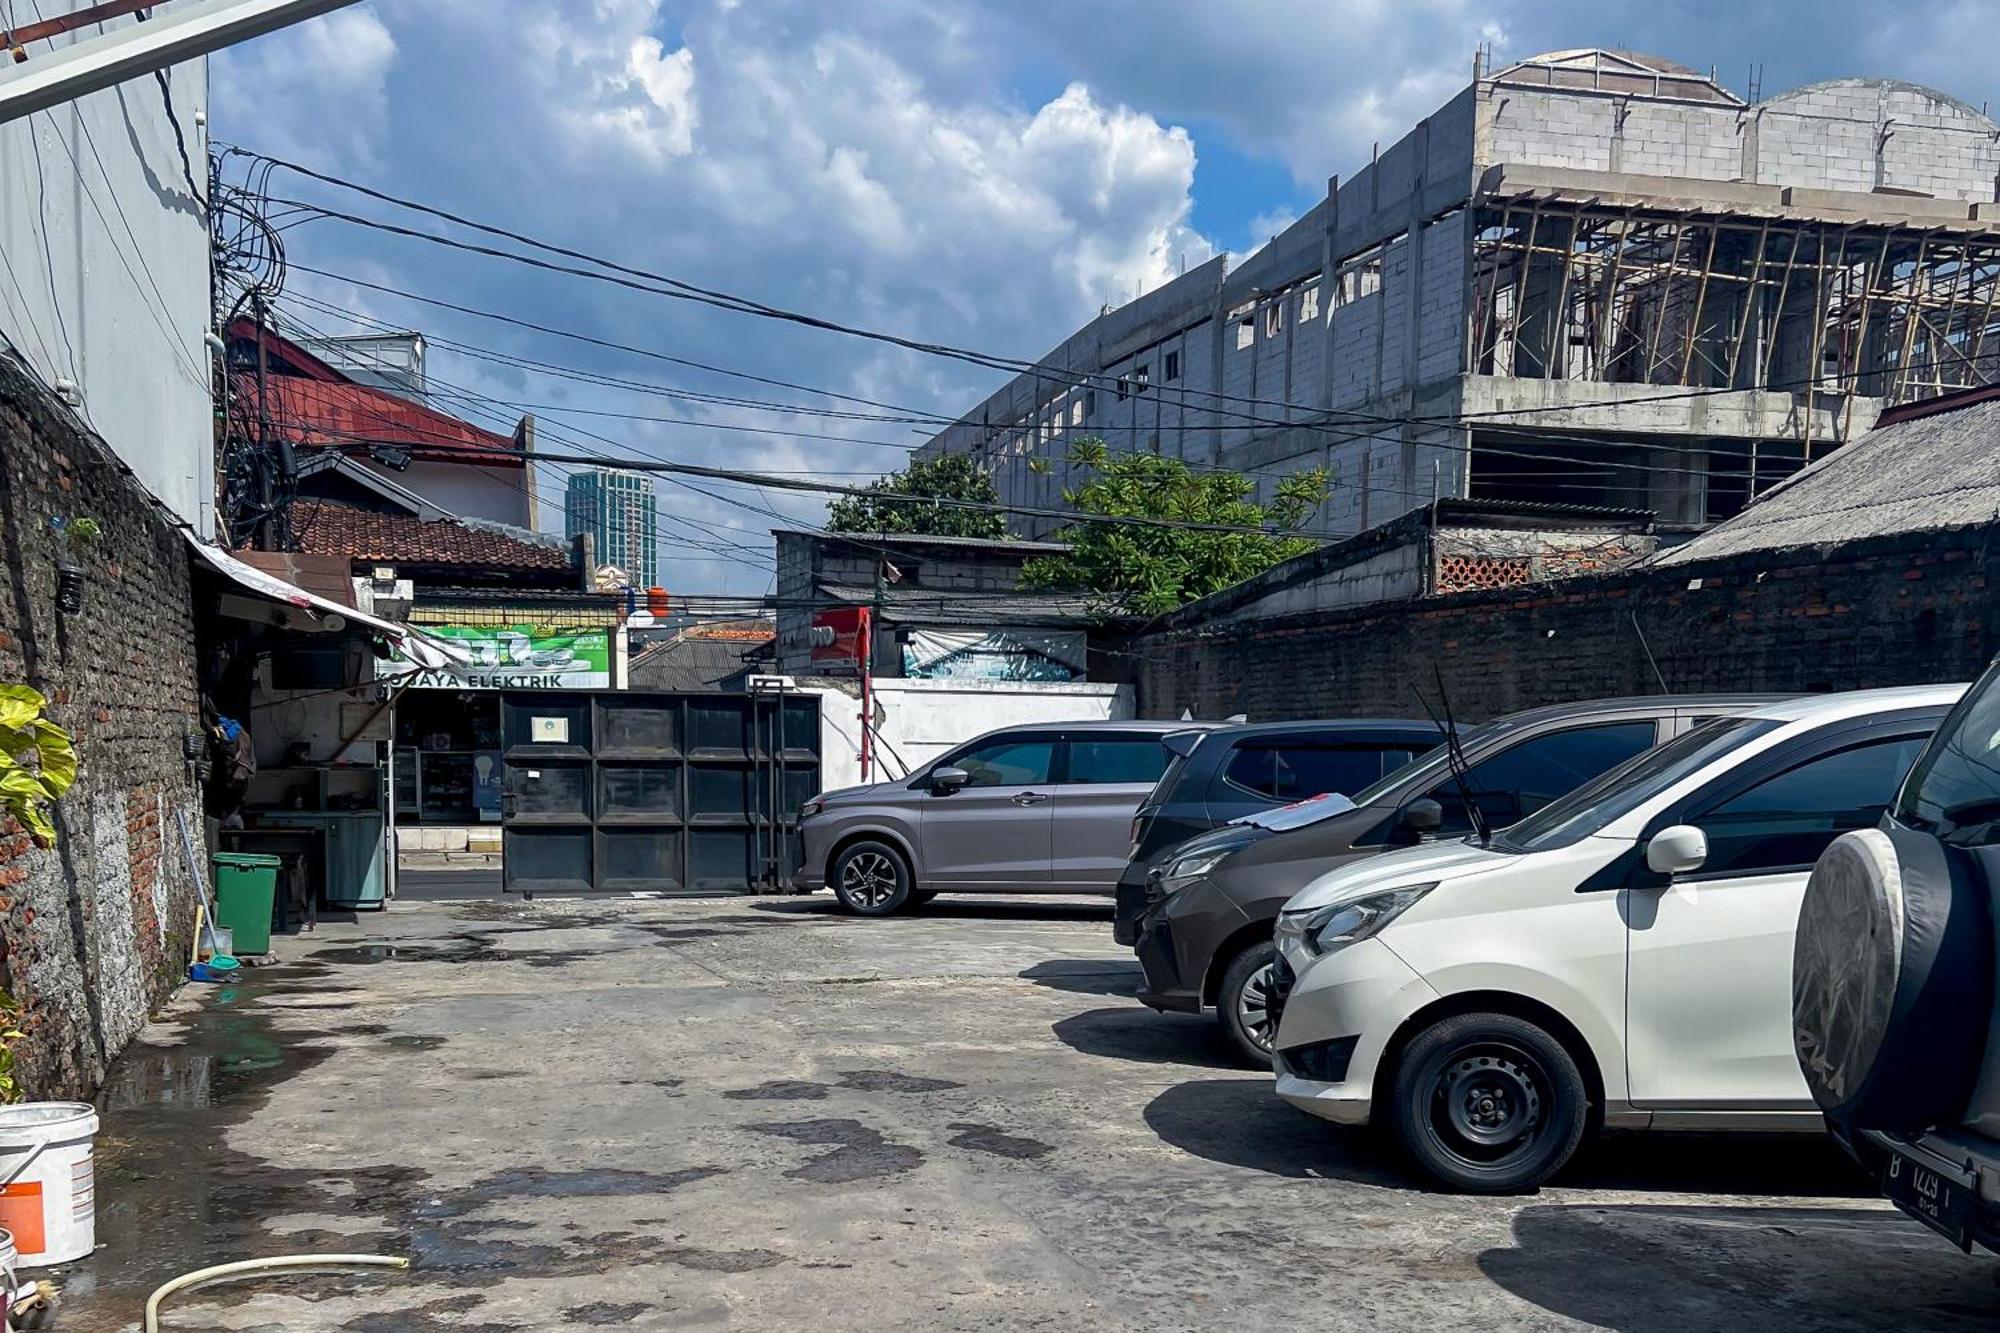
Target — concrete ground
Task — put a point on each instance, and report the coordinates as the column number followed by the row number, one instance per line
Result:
column 760, row 1114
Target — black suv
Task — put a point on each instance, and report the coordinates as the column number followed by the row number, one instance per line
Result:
column 1204, row 929
column 1224, row 773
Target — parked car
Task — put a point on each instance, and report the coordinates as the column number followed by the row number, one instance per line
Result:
column 1029, row 809
column 1203, row 933
column 1224, row 773
column 1622, row 957
column 1893, row 992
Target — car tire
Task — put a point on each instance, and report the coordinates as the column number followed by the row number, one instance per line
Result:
column 1892, row 981
column 1488, row 1103
column 1242, row 1005
column 871, row 879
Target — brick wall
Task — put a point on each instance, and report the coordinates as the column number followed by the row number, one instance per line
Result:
column 1887, row 611
column 95, row 932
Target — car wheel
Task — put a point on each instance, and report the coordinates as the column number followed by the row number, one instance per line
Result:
column 871, row 879
column 1489, row 1103
column 1892, row 981
column 1243, row 1005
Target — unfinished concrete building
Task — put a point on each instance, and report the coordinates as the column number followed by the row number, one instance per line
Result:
column 1592, row 277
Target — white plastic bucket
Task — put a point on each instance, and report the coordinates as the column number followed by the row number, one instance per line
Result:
column 8, row 1262
column 48, row 1181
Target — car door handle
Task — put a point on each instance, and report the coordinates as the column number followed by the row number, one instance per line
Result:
column 1028, row 798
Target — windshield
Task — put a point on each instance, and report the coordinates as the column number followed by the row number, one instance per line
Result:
column 1953, row 790
column 1299, row 813
column 1572, row 818
column 1433, row 762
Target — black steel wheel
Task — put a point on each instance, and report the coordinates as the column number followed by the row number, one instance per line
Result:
column 1243, row 1005
column 871, row 879
column 1489, row 1103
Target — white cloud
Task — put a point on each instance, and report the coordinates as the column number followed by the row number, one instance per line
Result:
column 284, row 85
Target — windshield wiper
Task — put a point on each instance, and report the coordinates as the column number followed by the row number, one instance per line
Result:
column 1454, row 755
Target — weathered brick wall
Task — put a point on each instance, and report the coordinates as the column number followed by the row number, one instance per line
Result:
column 1908, row 610
column 95, row 931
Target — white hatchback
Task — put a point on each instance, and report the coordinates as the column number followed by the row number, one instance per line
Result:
column 1623, row 957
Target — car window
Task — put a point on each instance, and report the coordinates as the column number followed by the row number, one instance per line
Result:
column 1008, row 762
column 1621, row 790
column 1130, row 759
column 1788, row 820
column 1520, row 780
column 1954, row 790
column 1294, row 770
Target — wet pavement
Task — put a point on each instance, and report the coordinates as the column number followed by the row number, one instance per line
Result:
column 757, row 1113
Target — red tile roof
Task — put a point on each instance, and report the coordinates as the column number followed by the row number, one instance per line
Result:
column 328, row 528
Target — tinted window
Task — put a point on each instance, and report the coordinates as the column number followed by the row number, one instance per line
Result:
column 1008, row 763
column 1621, row 790
column 1116, row 759
column 1515, row 783
column 1954, row 791
column 1292, row 771
column 1788, row 820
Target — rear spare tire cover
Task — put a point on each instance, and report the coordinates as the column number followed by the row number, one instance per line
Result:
column 1891, row 982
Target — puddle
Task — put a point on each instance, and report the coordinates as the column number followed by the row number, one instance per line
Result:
column 780, row 1090
column 414, row 1043
column 859, row 1153
column 989, row 1139
column 888, row 1080
column 602, row 1312
column 480, row 946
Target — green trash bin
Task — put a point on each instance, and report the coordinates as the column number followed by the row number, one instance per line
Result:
column 246, row 890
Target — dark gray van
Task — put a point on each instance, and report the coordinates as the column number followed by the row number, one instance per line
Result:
column 1204, row 930
column 1225, row 773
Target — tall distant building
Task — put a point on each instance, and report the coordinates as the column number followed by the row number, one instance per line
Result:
column 616, row 509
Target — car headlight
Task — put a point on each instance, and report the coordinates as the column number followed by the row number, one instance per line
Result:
column 812, row 807
column 1323, row 930
column 1185, row 870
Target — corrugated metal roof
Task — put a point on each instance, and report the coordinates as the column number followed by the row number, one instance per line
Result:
column 1916, row 475
column 932, row 606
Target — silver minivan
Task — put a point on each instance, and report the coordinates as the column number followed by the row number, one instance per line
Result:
column 1043, row 808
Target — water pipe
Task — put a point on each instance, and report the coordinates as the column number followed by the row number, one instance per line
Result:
column 202, row 1277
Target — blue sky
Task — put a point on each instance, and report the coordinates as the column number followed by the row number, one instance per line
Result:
column 985, row 173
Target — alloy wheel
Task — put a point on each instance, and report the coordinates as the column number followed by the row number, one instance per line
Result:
column 869, row 879
column 1253, row 1009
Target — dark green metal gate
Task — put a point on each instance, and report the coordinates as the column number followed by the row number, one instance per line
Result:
column 615, row 791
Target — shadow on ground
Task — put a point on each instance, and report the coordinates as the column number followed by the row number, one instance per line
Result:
column 1664, row 1269
column 1239, row 1122
column 1793, row 1165
column 999, row 907
column 1140, row 1035
column 1086, row 976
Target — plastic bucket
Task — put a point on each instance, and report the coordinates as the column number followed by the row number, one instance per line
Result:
column 48, row 1181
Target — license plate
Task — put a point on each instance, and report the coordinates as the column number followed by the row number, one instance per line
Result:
column 1941, row 1203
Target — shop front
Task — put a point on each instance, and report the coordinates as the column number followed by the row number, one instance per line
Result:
column 446, row 756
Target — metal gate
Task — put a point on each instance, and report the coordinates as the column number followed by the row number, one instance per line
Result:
column 616, row 791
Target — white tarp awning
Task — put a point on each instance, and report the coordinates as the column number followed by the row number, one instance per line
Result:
column 428, row 651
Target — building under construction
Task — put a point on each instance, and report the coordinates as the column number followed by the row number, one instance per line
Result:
column 1591, row 277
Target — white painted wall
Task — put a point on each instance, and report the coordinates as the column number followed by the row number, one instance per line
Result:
column 104, row 274
column 918, row 720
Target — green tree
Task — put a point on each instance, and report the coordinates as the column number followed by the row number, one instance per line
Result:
column 1152, row 570
column 906, row 501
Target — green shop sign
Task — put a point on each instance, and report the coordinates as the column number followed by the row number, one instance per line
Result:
column 515, row 657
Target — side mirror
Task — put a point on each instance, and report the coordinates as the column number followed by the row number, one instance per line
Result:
column 945, row 781
column 1421, row 818
column 1677, row 850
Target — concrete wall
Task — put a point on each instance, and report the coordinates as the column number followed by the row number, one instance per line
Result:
column 1394, row 349
column 106, row 255
column 96, row 931
column 920, row 719
column 500, row 494
column 1913, row 609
